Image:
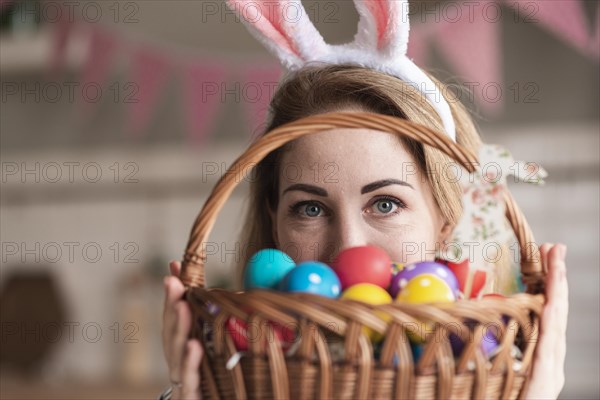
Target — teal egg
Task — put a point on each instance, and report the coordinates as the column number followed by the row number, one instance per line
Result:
column 417, row 351
column 266, row 268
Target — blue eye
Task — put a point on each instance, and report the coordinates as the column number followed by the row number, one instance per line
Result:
column 385, row 206
column 388, row 205
column 309, row 209
column 312, row 210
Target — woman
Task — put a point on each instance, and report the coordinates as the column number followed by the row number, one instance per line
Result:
column 334, row 190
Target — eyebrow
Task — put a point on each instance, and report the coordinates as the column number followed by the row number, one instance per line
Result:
column 382, row 183
column 303, row 187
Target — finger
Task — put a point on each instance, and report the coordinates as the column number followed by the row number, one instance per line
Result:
column 552, row 347
column 556, row 281
column 179, row 339
column 191, row 370
column 175, row 268
column 557, row 290
column 544, row 249
column 173, row 293
column 175, row 290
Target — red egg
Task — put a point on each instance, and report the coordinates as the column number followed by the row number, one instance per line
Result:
column 238, row 329
column 462, row 271
column 494, row 296
column 363, row 264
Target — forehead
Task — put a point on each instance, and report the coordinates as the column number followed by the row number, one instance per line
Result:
column 344, row 161
column 351, row 151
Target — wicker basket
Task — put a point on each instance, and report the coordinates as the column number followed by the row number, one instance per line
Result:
column 312, row 372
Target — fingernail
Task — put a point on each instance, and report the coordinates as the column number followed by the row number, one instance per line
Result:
column 563, row 252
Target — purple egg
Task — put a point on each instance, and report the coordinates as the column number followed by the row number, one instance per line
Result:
column 400, row 280
column 489, row 344
column 212, row 308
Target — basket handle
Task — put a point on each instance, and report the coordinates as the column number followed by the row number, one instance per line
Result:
column 192, row 273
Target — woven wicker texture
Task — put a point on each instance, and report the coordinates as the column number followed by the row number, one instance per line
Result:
column 312, row 371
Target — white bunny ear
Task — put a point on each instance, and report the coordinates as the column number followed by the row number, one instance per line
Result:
column 283, row 27
column 383, row 26
column 383, row 29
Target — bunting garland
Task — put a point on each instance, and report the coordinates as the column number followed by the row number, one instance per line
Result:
column 471, row 45
column 151, row 71
column 565, row 18
column 594, row 47
column 101, row 52
column 202, row 98
column 258, row 90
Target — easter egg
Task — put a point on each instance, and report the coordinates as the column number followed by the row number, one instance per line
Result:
column 266, row 268
column 462, row 271
column 213, row 309
column 363, row 264
column 489, row 344
column 284, row 335
column 370, row 294
column 240, row 334
column 499, row 296
column 401, row 279
column 493, row 296
column 425, row 288
column 238, row 330
column 312, row 277
column 417, row 351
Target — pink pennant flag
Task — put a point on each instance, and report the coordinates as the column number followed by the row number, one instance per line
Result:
column 419, row 45
column 204, row 83
column 4, row 3
column 149, row 71
column 259, row 82
column 62, row 33
column 595, row 39
column 102, row 49
column 472, row 46
column 565, row 18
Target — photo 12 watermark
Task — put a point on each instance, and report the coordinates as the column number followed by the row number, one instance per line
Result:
column 70, row 252
column 23, row 333
column 69, row 172
column 70, row 92
column 70, row 11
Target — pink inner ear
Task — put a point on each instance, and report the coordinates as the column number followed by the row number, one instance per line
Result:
column 268, row 22
column 379, row 9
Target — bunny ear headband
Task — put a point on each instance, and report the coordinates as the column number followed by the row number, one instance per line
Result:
column 381, row 44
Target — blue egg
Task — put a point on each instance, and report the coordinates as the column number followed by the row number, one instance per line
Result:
column 266, row 268
column 416, row 350
column 312, row 277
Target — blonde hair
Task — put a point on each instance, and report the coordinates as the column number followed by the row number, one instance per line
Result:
column 319, row 89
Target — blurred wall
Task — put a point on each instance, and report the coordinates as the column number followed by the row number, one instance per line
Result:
column 106, row 244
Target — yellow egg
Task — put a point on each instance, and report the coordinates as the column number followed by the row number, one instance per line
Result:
column 370, row 294
column 425, row 288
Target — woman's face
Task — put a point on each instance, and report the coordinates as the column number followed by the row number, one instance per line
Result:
column 345, row 188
